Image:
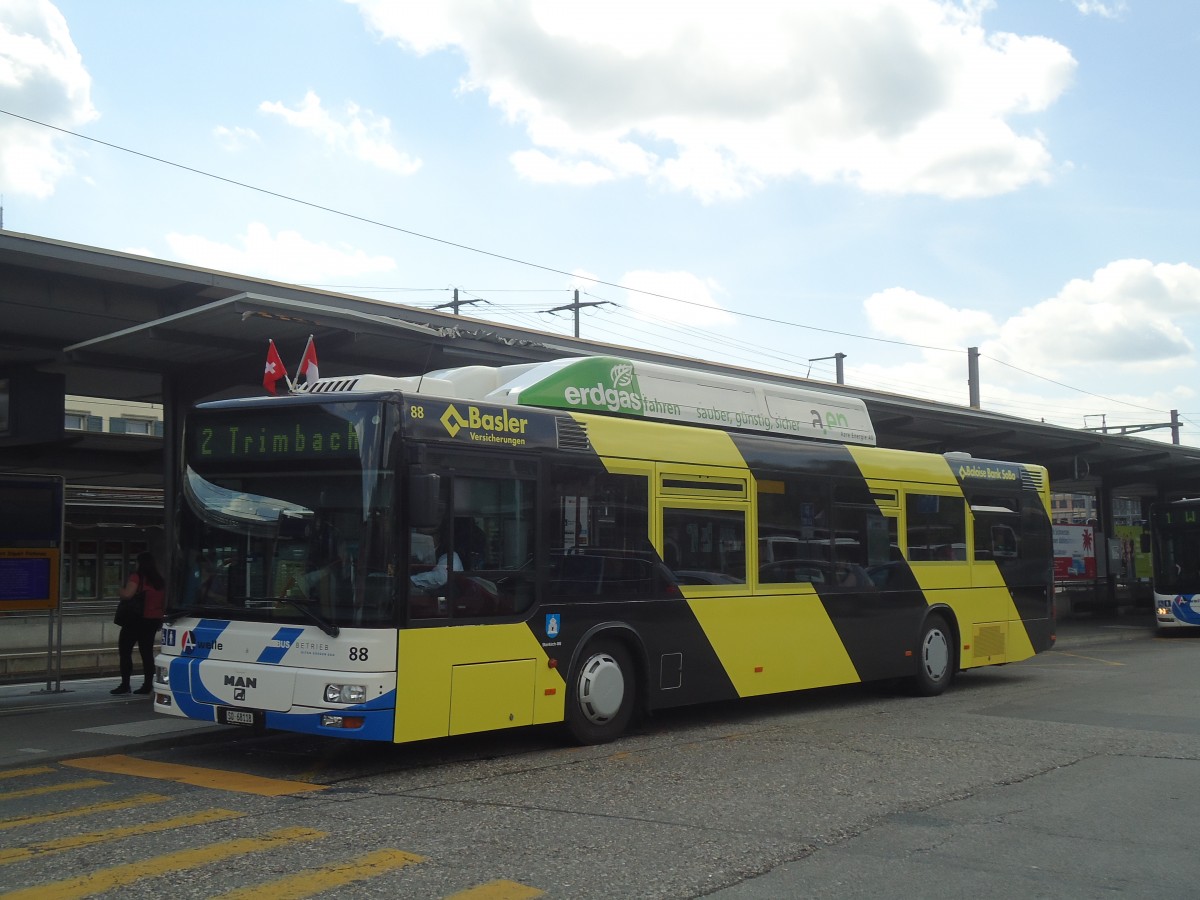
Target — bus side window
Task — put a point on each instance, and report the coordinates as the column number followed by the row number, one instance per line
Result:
column 711, row 543
column 492, row 536
column 937, row 527
column 997, row 523
column 598, row 531
column 1004, row 542
column 795, row 529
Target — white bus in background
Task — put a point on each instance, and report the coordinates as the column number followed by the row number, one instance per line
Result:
column 1175, row 556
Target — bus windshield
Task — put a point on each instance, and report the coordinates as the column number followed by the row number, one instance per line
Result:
column 1176, row 550
column 275, row 530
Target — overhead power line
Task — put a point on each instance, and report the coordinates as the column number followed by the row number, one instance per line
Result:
column 428, row 237
column 522, row 262
column 1071, row 387
column 456, row 303
column 577, row 305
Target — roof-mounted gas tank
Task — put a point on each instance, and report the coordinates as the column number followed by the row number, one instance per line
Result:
column 615, row 386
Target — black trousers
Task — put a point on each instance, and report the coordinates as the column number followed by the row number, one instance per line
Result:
column 143, row 635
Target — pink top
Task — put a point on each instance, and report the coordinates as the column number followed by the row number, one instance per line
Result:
column 155, row 599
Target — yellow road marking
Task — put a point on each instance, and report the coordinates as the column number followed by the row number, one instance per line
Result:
column 193, row 775
column 120, row 876
column 45, row 848
column 53, row 788
column 1107, row 662
column 314, row 881
column 498, row 890
column 113, row 806
column 21, row 773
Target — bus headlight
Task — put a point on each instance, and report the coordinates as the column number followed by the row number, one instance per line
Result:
column 345, row 693
column 162, row 675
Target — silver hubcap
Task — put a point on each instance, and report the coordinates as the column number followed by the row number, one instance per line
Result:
column 601, row 688
column 935, row 655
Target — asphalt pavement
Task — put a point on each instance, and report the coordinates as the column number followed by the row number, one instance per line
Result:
column 43, row 722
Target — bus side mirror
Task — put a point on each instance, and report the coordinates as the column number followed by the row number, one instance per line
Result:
column 424, row 500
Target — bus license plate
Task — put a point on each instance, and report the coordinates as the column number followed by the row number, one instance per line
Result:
column 227, row 716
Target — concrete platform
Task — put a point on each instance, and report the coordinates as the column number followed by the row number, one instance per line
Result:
column 29, row 651
column 90, row 643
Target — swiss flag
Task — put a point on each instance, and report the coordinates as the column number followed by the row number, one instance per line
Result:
column 308, row 364
column 274, row 370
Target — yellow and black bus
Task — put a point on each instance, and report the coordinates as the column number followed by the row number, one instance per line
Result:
column 578, row 541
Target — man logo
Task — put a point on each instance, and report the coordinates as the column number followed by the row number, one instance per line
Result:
column 239, row 694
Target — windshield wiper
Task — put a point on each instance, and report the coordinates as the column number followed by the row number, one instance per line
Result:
column 324, row 624
column 223, row 611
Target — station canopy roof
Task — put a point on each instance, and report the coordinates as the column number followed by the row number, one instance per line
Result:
column 116, row 325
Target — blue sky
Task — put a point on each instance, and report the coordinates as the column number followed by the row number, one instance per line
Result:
column 761, row 183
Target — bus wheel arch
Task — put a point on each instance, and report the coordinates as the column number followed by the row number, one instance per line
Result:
column 603, row 689
column 936, row 654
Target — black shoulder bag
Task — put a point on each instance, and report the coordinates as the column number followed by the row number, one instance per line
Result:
column 130, row 609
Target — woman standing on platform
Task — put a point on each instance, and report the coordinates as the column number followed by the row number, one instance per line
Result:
column 148, row 579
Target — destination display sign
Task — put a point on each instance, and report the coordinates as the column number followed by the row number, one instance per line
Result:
column 294, row 432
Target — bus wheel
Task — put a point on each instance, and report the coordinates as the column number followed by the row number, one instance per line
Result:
column 935, row 658
column 601, row 694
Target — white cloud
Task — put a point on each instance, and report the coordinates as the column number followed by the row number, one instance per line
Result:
column 1099, row 8
column 1102, row 344
column 699, row 309
column 427, row 26
column 536, row 166
column 286, row 256
column 42, row 76
column 359, row 133
column 234, row 139
column 894, row 96
column 905, row 315
column 1124, row 316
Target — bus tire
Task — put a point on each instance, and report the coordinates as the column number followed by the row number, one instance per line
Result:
column 936, row 663
column 601, row 693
